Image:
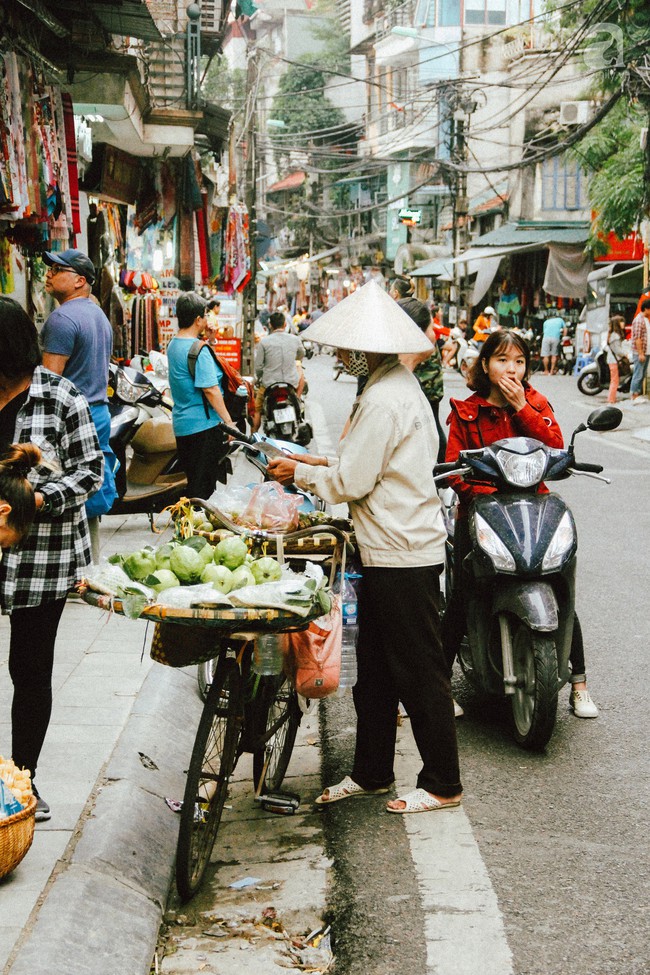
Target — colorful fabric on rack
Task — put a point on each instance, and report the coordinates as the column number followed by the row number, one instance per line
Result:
column 237, row 268
column 216, row 230
column 202, row 237
column 6, row 267
column 71, row 150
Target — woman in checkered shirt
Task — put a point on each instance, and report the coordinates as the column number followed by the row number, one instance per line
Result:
column 39, row 407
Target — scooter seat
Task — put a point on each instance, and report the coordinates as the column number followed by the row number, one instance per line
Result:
column 155, row 436
column 163, row 483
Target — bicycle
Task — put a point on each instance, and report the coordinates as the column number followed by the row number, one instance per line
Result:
column 243, row 712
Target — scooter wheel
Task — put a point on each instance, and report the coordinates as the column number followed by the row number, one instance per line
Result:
column 305, row 434
column 534, row 703
column 589, row 384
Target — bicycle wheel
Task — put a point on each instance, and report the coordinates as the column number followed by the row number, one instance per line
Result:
column 213, row 759
column 276, row 711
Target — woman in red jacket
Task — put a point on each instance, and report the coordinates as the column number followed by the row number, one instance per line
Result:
column 503, row 405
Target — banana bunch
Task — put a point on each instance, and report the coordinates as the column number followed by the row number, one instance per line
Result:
column 19, row 781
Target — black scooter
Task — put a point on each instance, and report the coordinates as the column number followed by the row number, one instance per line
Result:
column 283, row 414
column 520, row 598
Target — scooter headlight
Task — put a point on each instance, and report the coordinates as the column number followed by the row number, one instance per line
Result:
column 563, row 539
column 127, row 391
column 492, row 545
column 522, row 470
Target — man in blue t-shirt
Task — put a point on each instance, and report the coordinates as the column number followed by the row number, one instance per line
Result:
column 77, row 341
column 552, row 331
column 199, row 407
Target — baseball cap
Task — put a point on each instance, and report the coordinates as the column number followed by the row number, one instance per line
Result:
column 74, row 259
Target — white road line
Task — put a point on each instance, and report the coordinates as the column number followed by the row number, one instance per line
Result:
column 597, row 438
column 463, row 924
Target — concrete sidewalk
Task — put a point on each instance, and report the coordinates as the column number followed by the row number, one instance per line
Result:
column 89, row 895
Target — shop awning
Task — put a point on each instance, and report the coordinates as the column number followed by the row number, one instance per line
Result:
column 538, row 233
column 440, row 268
column 291, row 182
column 474, row 254
column 129, row 18
column 568, row 265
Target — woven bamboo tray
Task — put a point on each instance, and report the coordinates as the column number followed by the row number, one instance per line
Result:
column 227, row 619
column 16, row 835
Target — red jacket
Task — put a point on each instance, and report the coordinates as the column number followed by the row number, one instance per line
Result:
column 476, row 423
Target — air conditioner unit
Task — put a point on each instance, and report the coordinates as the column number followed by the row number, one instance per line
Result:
column 574, row 113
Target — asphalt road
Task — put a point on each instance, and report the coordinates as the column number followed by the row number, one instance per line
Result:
column 563, row 835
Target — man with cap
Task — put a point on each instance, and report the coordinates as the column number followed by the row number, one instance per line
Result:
column 384, row 470
column 77, row 341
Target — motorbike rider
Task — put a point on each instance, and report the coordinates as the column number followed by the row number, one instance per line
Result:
column 484, row 324
column 277, row 360
column 383, row 469
column 503, row 405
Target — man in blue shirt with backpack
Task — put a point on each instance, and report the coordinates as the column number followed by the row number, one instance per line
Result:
column 199, row 407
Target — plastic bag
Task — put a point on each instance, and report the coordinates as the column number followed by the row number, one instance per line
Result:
column 314, row 655
column 231, row 500
column 272, row 508
column 9, row 805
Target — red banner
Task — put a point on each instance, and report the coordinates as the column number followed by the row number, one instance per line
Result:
column 230, row 350
column 630, row 248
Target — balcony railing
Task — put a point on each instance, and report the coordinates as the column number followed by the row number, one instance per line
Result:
column 401, row 16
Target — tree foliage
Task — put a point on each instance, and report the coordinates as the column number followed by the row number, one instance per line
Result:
column 614, row 161
column 615, row 39
column 301, row 103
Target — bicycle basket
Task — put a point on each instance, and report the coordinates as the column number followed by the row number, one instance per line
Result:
column 182, row 646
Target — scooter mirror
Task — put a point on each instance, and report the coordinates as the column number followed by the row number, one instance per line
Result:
column 604, row 418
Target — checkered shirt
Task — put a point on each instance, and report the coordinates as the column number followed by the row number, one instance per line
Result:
column 47, row 563
column 639, row 331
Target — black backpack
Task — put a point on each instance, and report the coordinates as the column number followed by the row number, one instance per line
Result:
column 236, row 403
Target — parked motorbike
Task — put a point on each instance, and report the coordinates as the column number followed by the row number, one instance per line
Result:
column 149, row 477
column 594, row 377
column 466, row 355
column 283, row 414
column 520, row 600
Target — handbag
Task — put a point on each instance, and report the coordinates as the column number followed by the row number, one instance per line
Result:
column 624, row 367
column 313, row 660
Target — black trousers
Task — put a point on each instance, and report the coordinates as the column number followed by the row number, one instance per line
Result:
column 204, row 458
column 442, row 436
column 31, row 659
column 400, row 658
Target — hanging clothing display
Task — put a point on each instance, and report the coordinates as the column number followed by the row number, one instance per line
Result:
column 6, row 267
column 237, row 268
column 38, row 187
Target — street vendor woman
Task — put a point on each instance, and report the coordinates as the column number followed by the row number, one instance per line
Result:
column 384, row 469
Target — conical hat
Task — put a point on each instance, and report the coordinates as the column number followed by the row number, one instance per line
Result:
column 368, row 320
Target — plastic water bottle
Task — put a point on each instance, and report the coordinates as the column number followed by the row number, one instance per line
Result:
column 350, row 635
column 268, row 653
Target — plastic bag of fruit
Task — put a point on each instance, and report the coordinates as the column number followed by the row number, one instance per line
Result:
column 272, row 508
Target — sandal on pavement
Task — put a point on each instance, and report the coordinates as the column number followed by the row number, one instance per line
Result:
column 346, row 789
column 421, row 801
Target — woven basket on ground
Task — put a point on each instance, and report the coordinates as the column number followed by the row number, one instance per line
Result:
column 16, row 835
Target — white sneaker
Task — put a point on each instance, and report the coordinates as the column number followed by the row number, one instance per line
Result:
column 458, row 711
column 583, row 706
column 639, row 399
